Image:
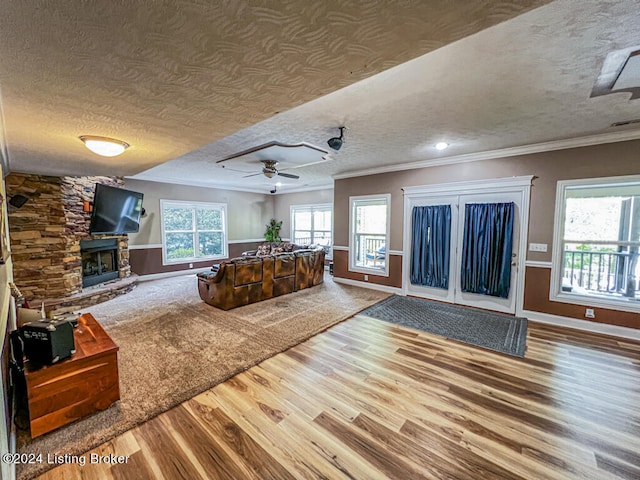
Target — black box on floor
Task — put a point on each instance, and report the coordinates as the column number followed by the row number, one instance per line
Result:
column 47, row 342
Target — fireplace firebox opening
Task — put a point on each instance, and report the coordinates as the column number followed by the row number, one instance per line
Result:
column 99, row 261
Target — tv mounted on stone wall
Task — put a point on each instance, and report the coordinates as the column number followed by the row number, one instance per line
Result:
column 115, row 210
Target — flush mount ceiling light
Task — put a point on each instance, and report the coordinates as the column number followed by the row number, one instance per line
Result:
column 107, row 147
column 336, row 142
column 620, row 73
column 441, row 145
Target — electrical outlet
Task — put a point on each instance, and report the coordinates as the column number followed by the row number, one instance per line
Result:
column 537, row 247
column 589, row 313
column 366, row 278
column 191, row 265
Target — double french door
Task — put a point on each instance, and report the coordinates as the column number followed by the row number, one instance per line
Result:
column 455, row 287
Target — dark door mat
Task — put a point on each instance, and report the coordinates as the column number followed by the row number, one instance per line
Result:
column 494, row 331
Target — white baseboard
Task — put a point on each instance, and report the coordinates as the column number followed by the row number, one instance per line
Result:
column 604, row 328
column 372, row 286
column 155, row 276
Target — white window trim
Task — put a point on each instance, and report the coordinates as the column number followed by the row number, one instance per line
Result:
column 555, row 292
column 352, row 247
column 186, row 203
column 311, row 205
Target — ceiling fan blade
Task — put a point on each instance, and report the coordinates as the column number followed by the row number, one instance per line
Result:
column 252, row 175
column 288, row 175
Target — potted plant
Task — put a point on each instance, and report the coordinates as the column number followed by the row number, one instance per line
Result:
column 273, row 231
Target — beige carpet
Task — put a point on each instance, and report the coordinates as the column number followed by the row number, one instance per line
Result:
column 174, row 346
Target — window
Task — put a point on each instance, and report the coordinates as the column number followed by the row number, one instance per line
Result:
column 369, row 232
column 193, row 231
column 596, row 241
column 312, row 224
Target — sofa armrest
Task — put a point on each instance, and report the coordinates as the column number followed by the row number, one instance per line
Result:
column 215, row 275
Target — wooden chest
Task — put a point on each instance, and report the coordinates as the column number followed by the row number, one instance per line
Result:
column 83, row 384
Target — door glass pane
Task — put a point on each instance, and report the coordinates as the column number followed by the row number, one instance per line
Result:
column 322, row 220
column 302, row 237
column 430, row 246
column 322, row 238
column 487, row 247
column 302, row 219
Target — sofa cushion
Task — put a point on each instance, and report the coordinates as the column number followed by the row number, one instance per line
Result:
column 248, row 271
column 284, row 265
column 288, row 247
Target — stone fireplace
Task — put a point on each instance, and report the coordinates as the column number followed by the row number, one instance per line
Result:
column 48, row 235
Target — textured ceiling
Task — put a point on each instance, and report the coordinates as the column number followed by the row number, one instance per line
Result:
column 523, row 82
column 171, row 76
column 190, row 83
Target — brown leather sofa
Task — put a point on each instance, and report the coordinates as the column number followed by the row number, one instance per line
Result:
column 250, row 279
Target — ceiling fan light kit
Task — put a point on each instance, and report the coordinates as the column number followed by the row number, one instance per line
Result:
column 104, row 146
column 269, row 170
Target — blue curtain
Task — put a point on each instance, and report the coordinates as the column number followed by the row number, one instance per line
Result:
column 431, row 236
column 486, row 248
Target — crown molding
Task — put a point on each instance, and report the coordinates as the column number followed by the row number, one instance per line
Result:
column 602, row 138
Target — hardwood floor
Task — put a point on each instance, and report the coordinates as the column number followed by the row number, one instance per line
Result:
column 368, row 400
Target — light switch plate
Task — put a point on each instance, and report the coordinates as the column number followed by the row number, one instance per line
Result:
column 537, row 247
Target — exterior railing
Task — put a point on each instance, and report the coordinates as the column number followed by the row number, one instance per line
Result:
column 604, row 272
column 368, row 250
column 301, row 240
column 319, row 238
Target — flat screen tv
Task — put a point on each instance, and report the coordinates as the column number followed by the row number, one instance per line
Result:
column 115, row 210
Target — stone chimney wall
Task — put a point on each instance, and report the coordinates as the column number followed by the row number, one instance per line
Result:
column 45, row 233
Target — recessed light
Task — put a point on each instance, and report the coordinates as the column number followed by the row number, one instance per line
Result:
column 441, row 145
column 107, row 147
column 279, row 184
